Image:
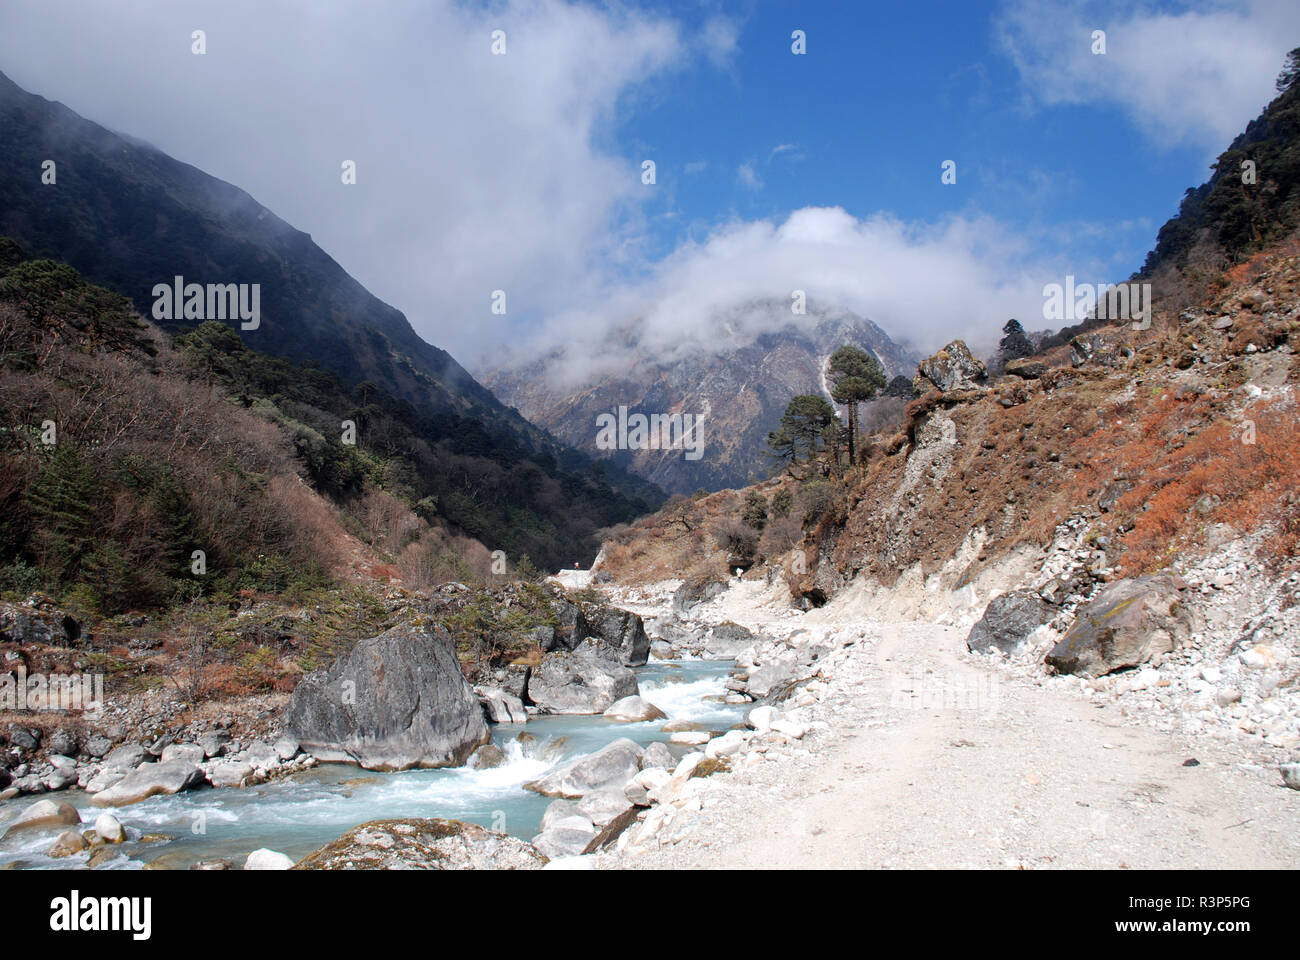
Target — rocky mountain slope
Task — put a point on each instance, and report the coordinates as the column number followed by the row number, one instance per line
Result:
column 127, row 217
column 758, row 358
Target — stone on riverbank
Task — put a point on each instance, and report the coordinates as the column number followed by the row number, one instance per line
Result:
column 395, row 701
column 149, row 779
column 44, row 814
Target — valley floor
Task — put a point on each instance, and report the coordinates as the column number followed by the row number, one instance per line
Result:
column 934, row 759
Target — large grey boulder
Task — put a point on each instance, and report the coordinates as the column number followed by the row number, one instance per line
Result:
column 1008, row 621
column 726, row 640
column 624, row 631
column 586, row 680
column 149, row 779
column 1126, row 624
column 952, row 368
column 395, row 701
column 694, row 592
column 423, row 845
column 612, row 765
column 620, row 630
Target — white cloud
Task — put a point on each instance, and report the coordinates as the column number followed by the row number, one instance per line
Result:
column 922, row 283
column 748, row 177
column 474, row 172
column 1196, row 76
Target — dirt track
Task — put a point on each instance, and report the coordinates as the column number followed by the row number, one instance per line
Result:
column 935, row 761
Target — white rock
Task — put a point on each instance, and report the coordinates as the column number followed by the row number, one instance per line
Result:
column 264, row 859
column 109, row 828
column 789, row 728
column 1227, row 695
column 760, row 718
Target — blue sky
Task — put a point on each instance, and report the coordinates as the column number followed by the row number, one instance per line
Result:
column 886, row 93
column 521, row 172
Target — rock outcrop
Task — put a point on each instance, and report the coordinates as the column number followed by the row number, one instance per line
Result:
column 423, row 845
column 395, row 701
column 952, row 368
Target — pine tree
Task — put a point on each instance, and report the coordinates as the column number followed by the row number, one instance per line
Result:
column 804, row 423
column 1014, row 344
column 855, row 377
column 61, row 502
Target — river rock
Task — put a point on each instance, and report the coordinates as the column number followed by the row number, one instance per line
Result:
column 68, row 843
column 264, row 859
column 663, row 650
column 126, row 757
column 637, row 790
column 690, row 738
column 44, row 814
column 761, row 717
column 214, row 743
column 634, row 709
column 395, row 701
column 1126, row 624
column 556, row 811
column 62, row 742
column 149, row 779
column 614, row 763
column 423, row 845
column 104, row 779
column 64, row 773
column 586, row 680
column 109, row 828
column 1008, row 621
column 486, row 757
column 657, row 754
column 566, row 837
column 96, row 745
column 501, row 706
column 189, row 752
column 602, row 806
column 1290, row 775
column 286, row 748
column 229, row 773
column 775, row 672
column 624, row 631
